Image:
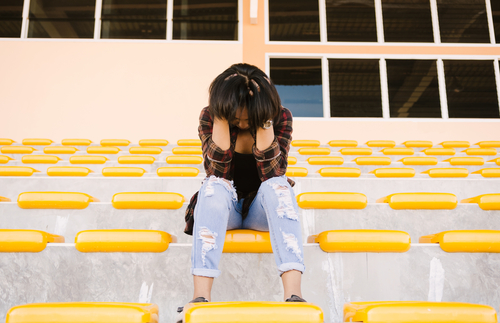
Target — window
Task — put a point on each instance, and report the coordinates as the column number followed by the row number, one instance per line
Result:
column 299, row 85
column 495, row 8
column 463, row 21
column 407, row 21
column 61, row 19
column 11, row 18
column 205, row 20
column 351, row 20
column 292, row 20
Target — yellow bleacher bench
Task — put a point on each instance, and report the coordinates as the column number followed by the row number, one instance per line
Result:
column 76, row 142
column 418, row 144
column 187, row 151
column 122, row 241
column 145, row 150
column 356, row 151
column 488, row 172
column 485, row 201
column 340, row 172
column 420, row 201
column 362, row 241
column 373, row 160
column 68, row 171
column 393, row 172
column 439, row 151
column 292, row 160
column 381, row 143
column 325, row 160
column 115, row 142
column 17, row 171
column 398, row 151
column 6, row 142
column 147, row 200
column 40, row 159
column 189, row 142
column 88, row 159
column 480, row 151
column 106, row 312
column 17, row 150
column 315, row 151
column 305, row 143
column 136, row 160
column 455, row 144
column 466, row 240
column 4, row 199
column 343, row 143
column 496, row 160
column 59, row 150
column 54, row 200
column 37, row 142
column 296, row 172
column 462, row 161
column 123, row 171
column 5, row 159
column 418, row 312
column 184, row 160
column 153, row 142
column 488, row 144
column 26, row 240
column 177, row 171
column 332, row 200
column 252, row 312
column 103, row 150
column 447, row 172
column 419, row 161
column 241, row 241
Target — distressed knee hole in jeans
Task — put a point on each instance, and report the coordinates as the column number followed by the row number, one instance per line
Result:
column 292, row 244
column 285, row 205
column 209, row 189
column 207, row 237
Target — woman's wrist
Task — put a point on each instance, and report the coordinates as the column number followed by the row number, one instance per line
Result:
column 220, row 134
column 265, row 138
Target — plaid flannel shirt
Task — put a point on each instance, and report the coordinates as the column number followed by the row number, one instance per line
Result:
column 271, row 162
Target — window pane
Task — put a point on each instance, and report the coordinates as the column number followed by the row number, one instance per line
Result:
column 205, row 20
column 10, row 27
column 134, row 29
column 134, row 9
column 74, row 9
column 355, row 88
column 299, row 85
column 413, row 89
column 61, row 28
column 495, row 8
column 463, row 21
column 471, row 89
column 402, row 20
column 351, row 20
column 11, row 9
column 293, row 20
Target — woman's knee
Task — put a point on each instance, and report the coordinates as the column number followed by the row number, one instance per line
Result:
column 279, row 194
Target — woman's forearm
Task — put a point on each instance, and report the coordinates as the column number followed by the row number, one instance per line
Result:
column 220, row 134
column 265, row 138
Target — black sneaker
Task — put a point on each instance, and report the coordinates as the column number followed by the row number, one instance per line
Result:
column 180, row 310
column 295, row 298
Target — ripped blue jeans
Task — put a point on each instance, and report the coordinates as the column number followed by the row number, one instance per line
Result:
column 274, row 209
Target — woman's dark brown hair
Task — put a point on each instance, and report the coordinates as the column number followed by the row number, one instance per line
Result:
column 244, row 86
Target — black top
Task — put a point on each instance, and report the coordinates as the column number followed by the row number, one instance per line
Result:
column 246, row 178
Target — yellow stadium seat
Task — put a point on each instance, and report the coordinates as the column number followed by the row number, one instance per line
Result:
column 447, row 172
column 381, row 143
column 187, row 151
column 466, row 240
column 315, row 151
column 122, row 241
column 462, row 161
column 340, row 172
column 17, row 171
column 54, row 200
column 241, row 241
column 325, row 160
column 393, row 172
column 87, row 159
column 26, row 240
column 480, row 151
column 417, row 161
column 145, row 150
column 362, row 241
column 68, row 171
column 76, row 142
column 147, row 200
column 332, row 200
column 356, row 151
column 177, row 171
column 343, row 143
column 373, row 160
column 4, row 199
column 420, row 201
column 418, row 144
column 418, row 312
column 40, row 159
column 189, row 142
column 102, row 150
column 59, row 150
column 485, row 144
column 17, row 150
column 253, row 312
column 305, row 143
column 488, row 172
column 439, row 151
column 455, row 144
column 83, row 312
column 292, row 160
column 296, row 172
column 496, row 160
column 485, row 201
column 5, row 159
column 398, row 151
column 115, row 142
column 37, row 142
column 123, row 171
column 184, row 160
column 6, row 142
column 153, row 142
column 136, row 159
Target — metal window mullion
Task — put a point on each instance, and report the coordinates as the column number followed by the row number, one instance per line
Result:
column 323, row 33
column 24, row 25
column 170, row 16
column 435, row 22
column 497, row 79
column 442, row 89
column 491, row 27
column 97, row 17
column 384, row 88
column 325, row 77
column 379, row 21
